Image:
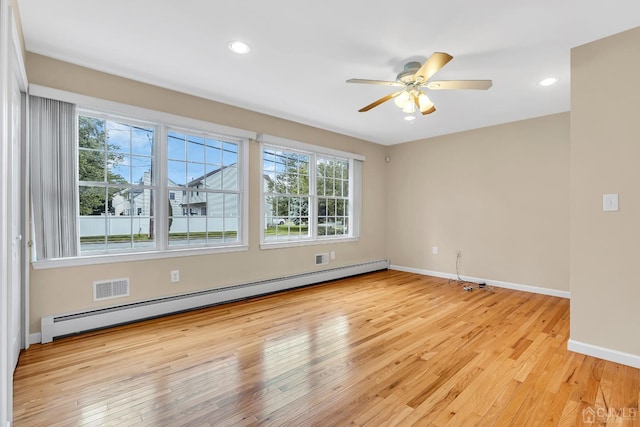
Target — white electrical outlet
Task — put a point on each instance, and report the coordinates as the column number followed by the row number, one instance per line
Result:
column 333, row 254
column 434, row 250
column 175, row 276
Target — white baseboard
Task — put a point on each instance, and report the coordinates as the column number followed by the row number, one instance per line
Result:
column 498, row 284
column 628, row 359
column 35, row 338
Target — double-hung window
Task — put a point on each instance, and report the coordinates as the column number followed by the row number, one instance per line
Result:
column 203, row 172
column 116, row 185
column 310, row 194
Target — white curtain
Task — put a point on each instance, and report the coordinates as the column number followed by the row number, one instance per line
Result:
column 53, row 129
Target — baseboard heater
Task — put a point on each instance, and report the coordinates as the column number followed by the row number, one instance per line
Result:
column 74, row 323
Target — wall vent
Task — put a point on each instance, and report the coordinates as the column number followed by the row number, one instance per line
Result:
column 322, row 259
column 107, row 289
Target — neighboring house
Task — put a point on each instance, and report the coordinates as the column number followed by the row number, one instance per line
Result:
column 201, row 199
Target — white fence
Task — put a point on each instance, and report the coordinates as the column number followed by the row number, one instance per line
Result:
column 119, row 225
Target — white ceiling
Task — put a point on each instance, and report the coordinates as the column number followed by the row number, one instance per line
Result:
column 302, row 53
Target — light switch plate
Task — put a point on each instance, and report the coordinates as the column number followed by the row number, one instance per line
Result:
column 610, row 202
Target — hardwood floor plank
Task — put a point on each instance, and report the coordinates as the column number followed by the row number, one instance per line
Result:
column 382, row 349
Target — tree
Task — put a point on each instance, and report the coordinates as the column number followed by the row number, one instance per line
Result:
column 94, row 157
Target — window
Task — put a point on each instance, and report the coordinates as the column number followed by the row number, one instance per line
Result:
column 286, row 193
column 201, row 162
column 115, row 177
column 332, row 183
column 146, row 189
column 310, row 194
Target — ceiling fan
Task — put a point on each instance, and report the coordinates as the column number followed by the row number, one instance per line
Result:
column 415, row 76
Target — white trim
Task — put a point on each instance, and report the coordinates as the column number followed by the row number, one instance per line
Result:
column 133, row 256
column 496, row 283
column 297, row 145
column 6, row 380
column 627, row 359
column 35, row 338
column 294, row 243
column 119, row 109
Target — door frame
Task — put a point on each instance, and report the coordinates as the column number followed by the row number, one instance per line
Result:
column 12, row 71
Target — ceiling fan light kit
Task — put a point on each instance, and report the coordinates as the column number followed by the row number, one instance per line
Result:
column 413, row 78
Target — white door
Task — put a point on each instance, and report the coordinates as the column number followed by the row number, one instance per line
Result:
column 15, row 213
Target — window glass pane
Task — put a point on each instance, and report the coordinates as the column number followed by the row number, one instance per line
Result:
column 214, row 177
column 118, row 137
column 230, row 154
column 195, row 172
column 142, row 141
column 118, row 168
column 92, row 200
column 230, row 178
column 195, row 149
column 140, row 170
column 177, row 149
column 231, row 205
column 216, row 205
column 177, row 173
column 268, row 164
column 91, row 133
column 213, row 152
column 91, row 165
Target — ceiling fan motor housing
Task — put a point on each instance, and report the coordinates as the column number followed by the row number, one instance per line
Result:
column 410, row 69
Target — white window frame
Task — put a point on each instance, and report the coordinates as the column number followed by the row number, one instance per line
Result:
column 314, row 151
column 164, row 121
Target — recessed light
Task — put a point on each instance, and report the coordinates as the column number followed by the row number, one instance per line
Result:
column 548, row 81
column 239, row 47
column 409, row 118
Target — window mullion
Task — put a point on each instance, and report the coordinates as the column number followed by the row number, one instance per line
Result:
column 351, row 199
column 313, row 192
column 161, row 187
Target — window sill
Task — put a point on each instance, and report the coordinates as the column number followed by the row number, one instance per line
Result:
column 137, row 256
column 295, row 243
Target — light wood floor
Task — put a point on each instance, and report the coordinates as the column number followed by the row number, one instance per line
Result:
column 388, row 348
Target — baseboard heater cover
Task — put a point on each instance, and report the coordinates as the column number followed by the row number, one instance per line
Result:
column 74, row 323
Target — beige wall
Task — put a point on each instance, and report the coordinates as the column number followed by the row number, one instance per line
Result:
column 499, row 194
column 605, row 158
column 64, row 290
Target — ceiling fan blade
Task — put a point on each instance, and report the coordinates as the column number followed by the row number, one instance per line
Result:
column 380, row 101
column 375, row 82
column 432, row 66
column 460, row 84
column 429, row 111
